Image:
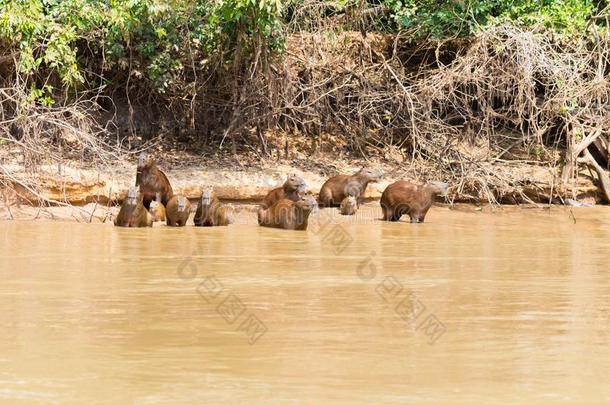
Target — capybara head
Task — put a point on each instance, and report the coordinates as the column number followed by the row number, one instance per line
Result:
column 133, row 195
column 306, row 202
column 438, row 188
column 181, row 202
column 296, row 183
column 369, row 174
column 351, row 201
column 206, row 195
column 142, row 159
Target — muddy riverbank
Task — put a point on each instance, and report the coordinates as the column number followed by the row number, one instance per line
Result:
column 88, row 194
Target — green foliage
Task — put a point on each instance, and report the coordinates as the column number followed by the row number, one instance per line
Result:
column 455, row 18
column 39, row 38
column 245, row 24
column 150, row 39
column 158, row 40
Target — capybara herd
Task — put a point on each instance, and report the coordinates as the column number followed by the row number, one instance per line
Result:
column 287, row 207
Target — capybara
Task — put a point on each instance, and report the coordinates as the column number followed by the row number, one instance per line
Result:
column 403, row 197
column 288, row 214
column 349, row 205
column 340, row 186
column 157, row 209
column 177, row 210
column 132, row 213
column 210, row 211
column 290, row 190
column 152, row 181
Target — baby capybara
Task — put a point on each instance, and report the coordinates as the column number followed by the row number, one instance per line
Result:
column 178, row 210
column 338, row 187
column 132, row 213
column 290, row 190
column 349, row 205
column 288, row 214
column 152, row 181
column 210, row 211
column 405, row 198
column 157, row 209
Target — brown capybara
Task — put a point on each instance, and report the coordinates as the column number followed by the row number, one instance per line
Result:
column 177, row 210
column 349, row 205
column 157, row 209
column 132, row 213
column 288, row 214
column 152, row 181
column 403, row 197
column 290, row 190
column 340, row 186
column 210, row 211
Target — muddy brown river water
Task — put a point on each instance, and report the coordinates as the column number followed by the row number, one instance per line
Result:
column 470, row 307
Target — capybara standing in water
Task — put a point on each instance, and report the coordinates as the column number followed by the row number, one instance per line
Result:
column 290, row 190
column 132, row 213
column 152, row 181
column 405, row 198
column 288, row 214
column 157, row 210
column 210, row 211
column 178, row 210
column 349, row 205
column 340, row 186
